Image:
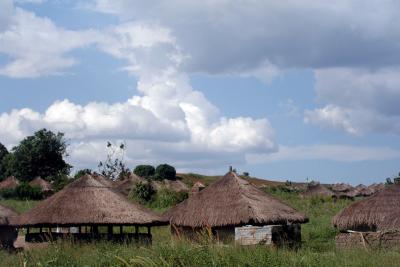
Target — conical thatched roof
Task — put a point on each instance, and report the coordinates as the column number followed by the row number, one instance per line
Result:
column 87, row 201
column 342, row 187
column 376, row 187
column 380, row 211
column 42, row 184
column 232, row 200
column 318, row 190
column 9, row 183
column 5, row 214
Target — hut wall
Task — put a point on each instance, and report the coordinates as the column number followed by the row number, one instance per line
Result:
column 8, row 235
column 279, row 235
column 368, row 239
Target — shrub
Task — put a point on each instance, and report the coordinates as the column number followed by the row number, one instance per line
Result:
column 142, row 192
column 24, row 191
column 82, row 172
column 166, row 198
column 144, row 171
column 165, row 171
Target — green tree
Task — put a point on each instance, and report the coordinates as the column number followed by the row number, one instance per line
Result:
column 142, row 192
column 3, row 154
column 165, row 171
column 144, row 171
column 41, row 154
column 82, row 172
column 114, row 166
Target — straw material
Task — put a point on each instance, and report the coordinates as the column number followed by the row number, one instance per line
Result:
column 87, row 201
column 318, row 190
column 342, row 187
column 381, row 211
column 42, row 184
column 5, row 214
column 232, row 200
column 10, row 183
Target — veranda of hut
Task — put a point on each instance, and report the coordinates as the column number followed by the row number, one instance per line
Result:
column 88, row 209
column 8, row 234
column 233, row 209
column 372, row 222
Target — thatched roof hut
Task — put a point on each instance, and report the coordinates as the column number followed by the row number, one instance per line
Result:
column 44, row 185
column 232, row 201
column 318, row 190
column 376, row 187
column 379, row 212
column 87, row 201
column 9, row 183
column 5, row 214
column 342, row 187
column 125, row 186
column 363, row 191
column 196, row 188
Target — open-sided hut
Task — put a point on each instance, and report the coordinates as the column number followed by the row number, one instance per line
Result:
column 9, row 183
column 373, row 221
column 44, row 185
column 343, row 191
column 362, row 191
column 8, row 234
column 231, row 207
column 318, row 190
column 86, row 205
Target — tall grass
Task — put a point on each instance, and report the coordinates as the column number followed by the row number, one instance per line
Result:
column 318, row 248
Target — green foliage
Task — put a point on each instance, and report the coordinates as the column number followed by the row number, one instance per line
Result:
column 60, row 181
column 38, row 155
column 166, row 199
column 24, row 192
column 145, row 171
column 165, row 171
column 246, row 174
column 142, row 192
column 82, row 172
column 3, row 153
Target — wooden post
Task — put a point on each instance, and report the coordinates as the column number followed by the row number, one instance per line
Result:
column 27, row 230
column 120, row 229
column 148, row 230
column 136, row 229
column 80, row 229
column 40, row 230
column 110, row 229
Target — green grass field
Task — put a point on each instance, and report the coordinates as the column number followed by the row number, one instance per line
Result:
column 318, row 248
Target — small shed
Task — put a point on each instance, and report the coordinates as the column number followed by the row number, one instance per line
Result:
column 196, row 188
column 229, row 206
column 317, row 190
column 9, row 183
column 44, row 185
column 373, row 221
column 8, row 234
column 88, row 206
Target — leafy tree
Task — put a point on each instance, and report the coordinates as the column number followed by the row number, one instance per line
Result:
column 114, row 166
column 165, row 171
column 144, row 171
column 143, row 192
column 82, row 172
column 41, row 154
column 3, row 154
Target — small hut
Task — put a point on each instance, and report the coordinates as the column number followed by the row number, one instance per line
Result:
column 363, row 191
column 196, row 188
column 318, row 190
column 88, row 206
column 376, row 187
column 44, row 185
column 343, row 191
column 8, row 234
column 373, row 221
column 9, row 183
column 232, row 208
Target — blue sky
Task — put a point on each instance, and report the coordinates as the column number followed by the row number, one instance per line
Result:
column 291, row 90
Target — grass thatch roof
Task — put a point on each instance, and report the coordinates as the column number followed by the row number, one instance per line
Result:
column 87, row 201
column 9, row 183
column 44, row 185
column 232, row 200
column 318, row 190
column 380, row 211
column 5, row 214
column 342, row 187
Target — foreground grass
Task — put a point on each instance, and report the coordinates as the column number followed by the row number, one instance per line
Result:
column 318, row 248
column 19, row 205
